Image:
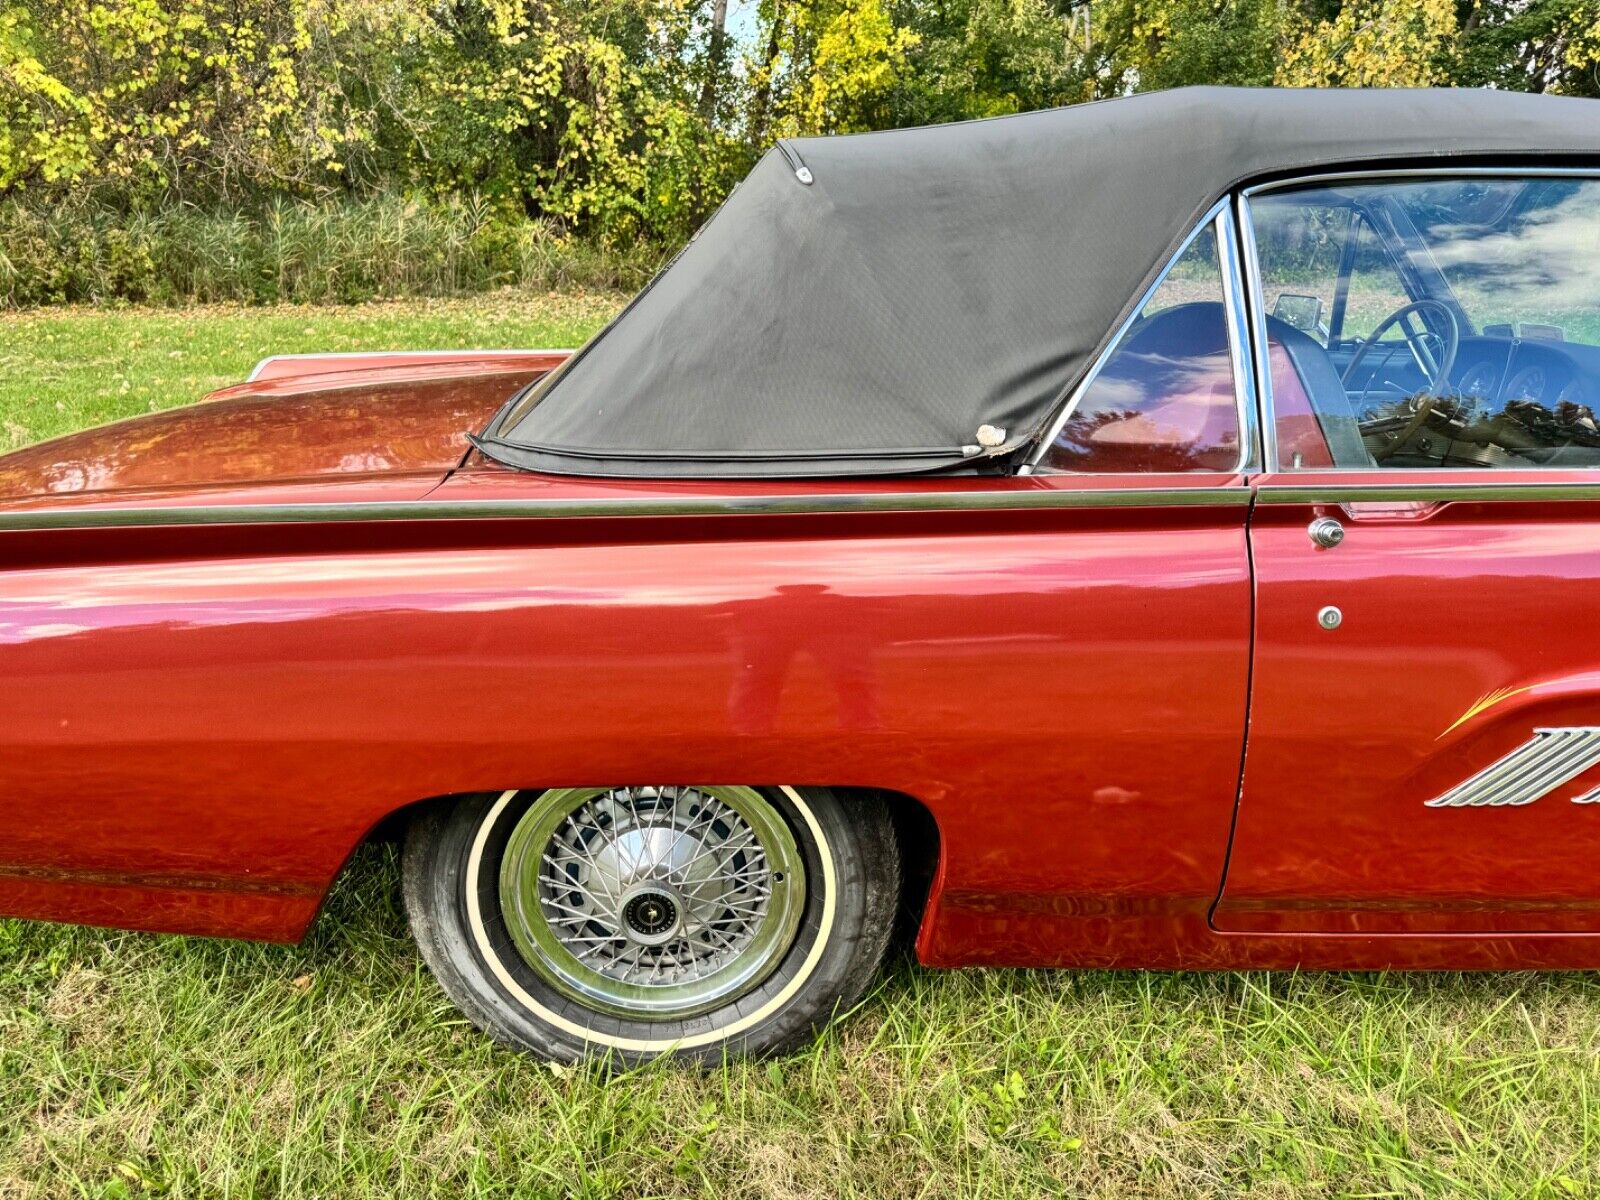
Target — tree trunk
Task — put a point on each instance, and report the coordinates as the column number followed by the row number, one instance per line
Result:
column 716, row 53
column 763, row 99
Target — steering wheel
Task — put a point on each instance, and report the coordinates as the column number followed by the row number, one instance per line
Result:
column 1435, row 367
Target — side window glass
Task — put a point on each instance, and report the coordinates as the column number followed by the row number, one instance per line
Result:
column 1165, row 399
column 1462, row 324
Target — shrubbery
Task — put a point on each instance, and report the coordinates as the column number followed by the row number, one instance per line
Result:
column 291, row 250
column 327, row 149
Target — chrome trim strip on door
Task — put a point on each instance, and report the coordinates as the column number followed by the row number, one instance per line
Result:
column 1534, row 769
column 1211, row 220
column 1435, row 493
column 486, row 510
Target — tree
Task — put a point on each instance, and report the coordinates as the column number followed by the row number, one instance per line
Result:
column 627, row 121
column 829, row 66
column 985, row 58
column 1154, row 44
column 1373, row 43
column 1529, row 45
column 716, row 58
column 213, row 97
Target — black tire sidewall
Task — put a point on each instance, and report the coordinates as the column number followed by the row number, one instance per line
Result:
column 478, row 966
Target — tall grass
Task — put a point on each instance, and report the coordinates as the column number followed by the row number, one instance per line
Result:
column 290, row 251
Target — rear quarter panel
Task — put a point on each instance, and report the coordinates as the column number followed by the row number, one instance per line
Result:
column 200, row 723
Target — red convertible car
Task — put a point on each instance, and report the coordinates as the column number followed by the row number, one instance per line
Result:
column 1159, row 533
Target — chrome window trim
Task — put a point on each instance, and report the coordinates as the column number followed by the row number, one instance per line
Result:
column 1361, row 174
column 1256, row 290
column 1261, row 363
column 485, row 510
column 1443, row 492
column 1218, row 220
column 1240, row 352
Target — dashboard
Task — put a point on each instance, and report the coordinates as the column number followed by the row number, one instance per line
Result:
column 1500, row 371
column 1510, row 402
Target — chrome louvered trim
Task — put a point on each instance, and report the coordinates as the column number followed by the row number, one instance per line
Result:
column 1592, row 796
column 1534, row 769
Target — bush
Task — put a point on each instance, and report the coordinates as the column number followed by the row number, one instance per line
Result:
column 293, row 251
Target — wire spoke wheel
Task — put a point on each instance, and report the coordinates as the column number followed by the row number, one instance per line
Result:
column 636, row 922
column 657, row 903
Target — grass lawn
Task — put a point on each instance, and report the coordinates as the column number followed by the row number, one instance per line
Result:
column 133, row 1065
column 64, row 369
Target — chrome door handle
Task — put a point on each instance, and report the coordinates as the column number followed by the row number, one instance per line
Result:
column 1325, row 532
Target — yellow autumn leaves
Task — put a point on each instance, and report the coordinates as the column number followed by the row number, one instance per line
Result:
column 1372, row 43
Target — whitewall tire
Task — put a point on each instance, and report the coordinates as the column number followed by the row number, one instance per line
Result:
column 632, row 922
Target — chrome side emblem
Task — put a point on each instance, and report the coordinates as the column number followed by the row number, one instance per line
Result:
column 1534, row 769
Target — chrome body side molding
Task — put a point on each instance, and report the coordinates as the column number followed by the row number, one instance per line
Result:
column 655, row 506
column 1437, row 493
column 1534, row 769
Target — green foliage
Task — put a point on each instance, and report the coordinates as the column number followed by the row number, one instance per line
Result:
column 147, row 98
column 619, row 124
column 985, row 58
column 1539, row 45
column 584, row 114
column 571, row 112
column 1373, row 43
column 1154, row 44
column 831, row 66
column 290, row 251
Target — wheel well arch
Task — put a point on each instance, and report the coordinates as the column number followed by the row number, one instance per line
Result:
column 916, row 830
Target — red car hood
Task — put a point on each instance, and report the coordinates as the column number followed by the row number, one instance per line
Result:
column 392, row 419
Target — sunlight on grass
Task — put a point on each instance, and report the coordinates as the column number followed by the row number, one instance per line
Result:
column 141, row 1065
column 62, row 369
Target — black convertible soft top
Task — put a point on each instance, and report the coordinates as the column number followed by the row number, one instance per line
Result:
column 862, row 305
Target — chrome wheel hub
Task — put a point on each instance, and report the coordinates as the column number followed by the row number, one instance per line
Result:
column 651, row 916
column 655, row 903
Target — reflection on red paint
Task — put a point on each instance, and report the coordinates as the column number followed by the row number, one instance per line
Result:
column 1466, row 626
column 247, row 702
column 199, row 723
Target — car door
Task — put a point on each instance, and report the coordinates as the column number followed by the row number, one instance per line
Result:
column 1424, row 744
